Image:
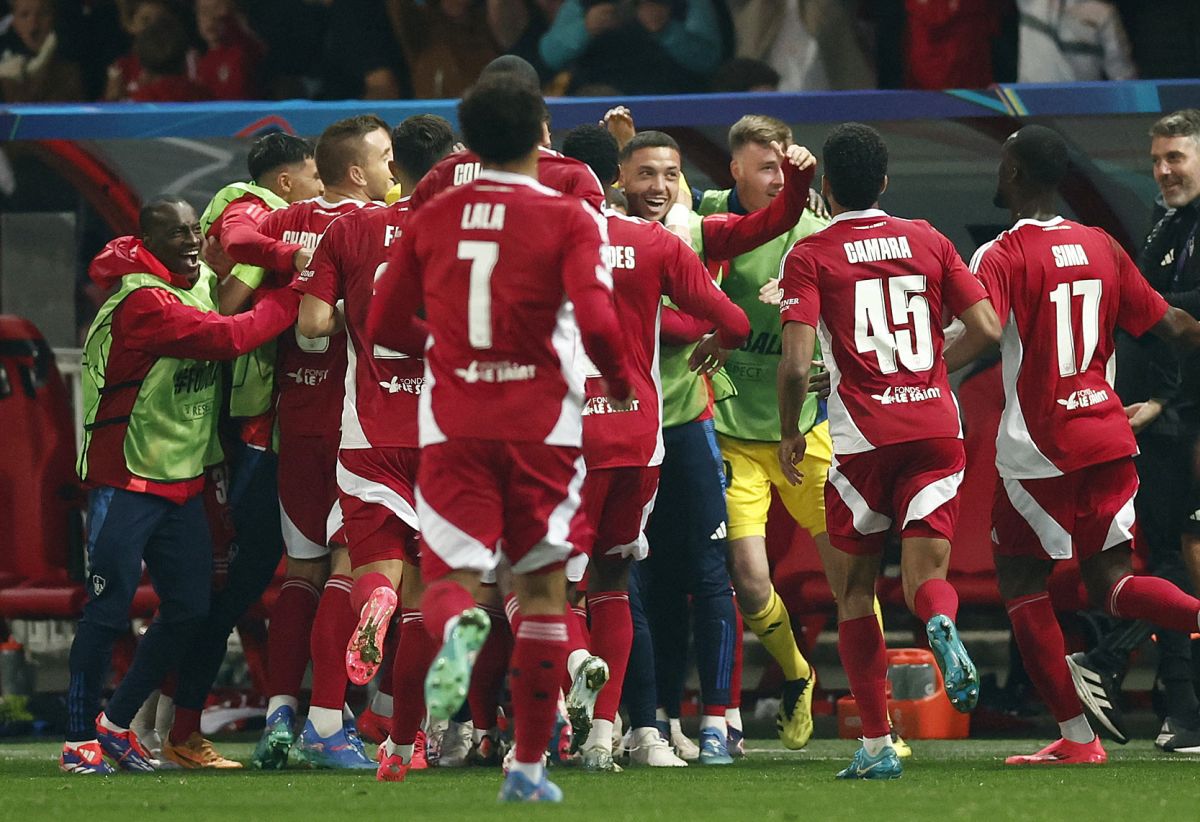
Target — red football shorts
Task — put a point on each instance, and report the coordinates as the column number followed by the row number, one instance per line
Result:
column 616, row 504
column 912, row 483
column 308, row 495
column 474, row 496
column 377, row 491
column 1078, row 514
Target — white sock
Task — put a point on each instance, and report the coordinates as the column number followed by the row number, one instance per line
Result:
column 601, row 735
column 451, row 624
column 673, row 722
column 1077, row 729
column 143, row 720
column 326, row 721
column 717, row 722
column 876, row 744
column 660, row 715
column 164, row 716
column 533, row 771
column 105, row 722
column 733, row 718
column 575, row 659
column 382, row 704
column 477, row 735
column 347, row 714
column 405, row 752
column 279, row 701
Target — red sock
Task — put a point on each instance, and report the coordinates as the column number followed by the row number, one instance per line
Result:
column 169, row 684
column 186, row 723
column 331, row 632
column 933, row 597
column 364, row 586
column 413, row 655
column 1040, row 640
column 735, row 677
column 487, row 677
column 390, row 643
column 443, row 600
column 539, row 653
column 289, row 634
column 864, row 656
column 1156, row 600
column 512, row 611
column 611, row 642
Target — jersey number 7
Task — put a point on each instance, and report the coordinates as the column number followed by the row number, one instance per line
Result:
column 483, row 257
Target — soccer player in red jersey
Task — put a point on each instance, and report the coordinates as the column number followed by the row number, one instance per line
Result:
column 377, row 462
column 623, row 450
column 874, row 287
column 554, row 170
column 509, row 274
column 1065, row 448
column 352, row 158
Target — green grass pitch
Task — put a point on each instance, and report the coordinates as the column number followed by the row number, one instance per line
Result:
column 943, row 781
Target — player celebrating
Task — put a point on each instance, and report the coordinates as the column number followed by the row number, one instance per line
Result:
column 376, row 470
column 874, row 287
column 1065, row 448
column 504, row 268
column 352, row 157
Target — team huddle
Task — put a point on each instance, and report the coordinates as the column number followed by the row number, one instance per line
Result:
column 530, row 416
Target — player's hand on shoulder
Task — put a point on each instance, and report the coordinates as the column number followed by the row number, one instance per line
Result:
column 708, row 357
column 817, row 205
column 771, row 292
column 302, row 258
column 791, row 454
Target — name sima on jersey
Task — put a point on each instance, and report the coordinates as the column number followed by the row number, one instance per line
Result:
column 1068, row 255
column 875, row 249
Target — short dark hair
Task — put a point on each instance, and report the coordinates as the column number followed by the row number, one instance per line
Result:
column 151, row 212
column 501, row 120
column 856, row 163
column 272, row 151
column 649, row 139
column 595, row 146
column 517, row 69
column 1041, row 153
column 419, row 142
column 1182, row 123
column 340, row 146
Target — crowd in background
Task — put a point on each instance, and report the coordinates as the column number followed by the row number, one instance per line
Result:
column 183, row 50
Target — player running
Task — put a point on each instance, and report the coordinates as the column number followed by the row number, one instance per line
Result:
column 377, row 462
column 874, row 288
column 505, row 269
column 1065, row 448
column 352, row 158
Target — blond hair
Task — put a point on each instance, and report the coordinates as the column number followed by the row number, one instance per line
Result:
column 760, row 129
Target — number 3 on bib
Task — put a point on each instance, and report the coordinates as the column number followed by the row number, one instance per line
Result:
column 905, row 302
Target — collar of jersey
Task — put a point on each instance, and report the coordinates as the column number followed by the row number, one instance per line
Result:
column 505, row 177
column 865, row 214
column 1027, row 221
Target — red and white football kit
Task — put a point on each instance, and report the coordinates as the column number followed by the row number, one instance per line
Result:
column 623, row 449
column 309, row 377
column 510, row 274
column 377, row 463
column 1064, row 450
column 556, row 171
column 874, row 287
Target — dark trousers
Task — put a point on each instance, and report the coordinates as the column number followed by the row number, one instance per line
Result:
column 124, row 529
column 254, row 498
column 688, row 561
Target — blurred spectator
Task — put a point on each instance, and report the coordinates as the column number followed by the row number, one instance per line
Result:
column 294, row 33
column 1063, row 41
column 446, row 42
column 949, row 42
column 162, row 49
column 1165, row 35
column 32, row 67
column 635, row 46
column 744, row 74
column 125, row 73
column 519, row 25
column 229, row 66
column 359, row 58
column 812, row 44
